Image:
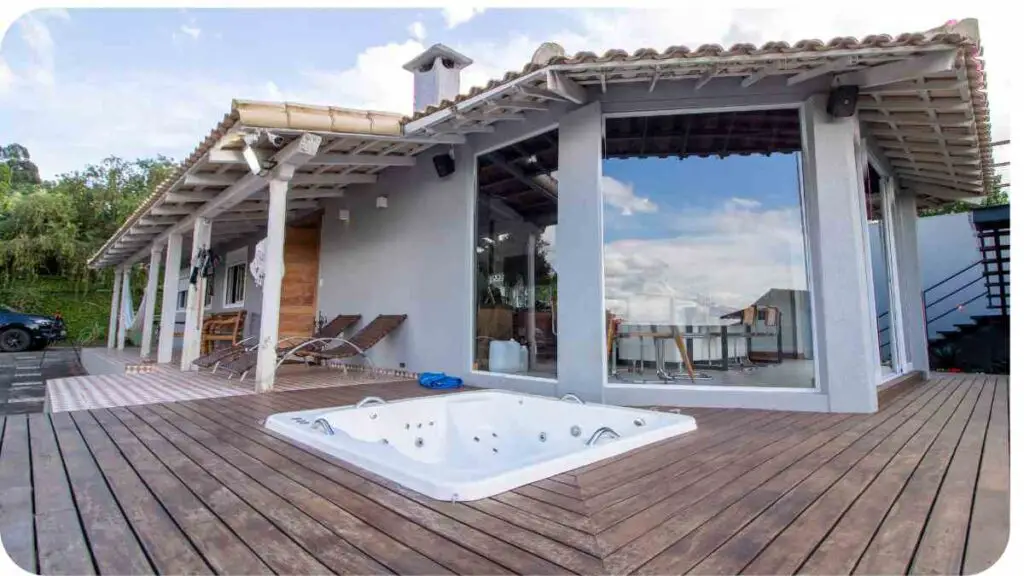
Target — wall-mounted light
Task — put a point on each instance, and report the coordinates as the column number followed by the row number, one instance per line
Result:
column 343, row 215
column 382, row 202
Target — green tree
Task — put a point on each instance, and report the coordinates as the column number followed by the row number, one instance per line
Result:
column 998, row 195
column 51, row 228
column 22, row 170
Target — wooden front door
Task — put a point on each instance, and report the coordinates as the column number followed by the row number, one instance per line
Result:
column 299, row 285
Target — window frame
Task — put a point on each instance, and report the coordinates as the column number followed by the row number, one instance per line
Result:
column 805, row 152
column 471, row 249
column 233, row 260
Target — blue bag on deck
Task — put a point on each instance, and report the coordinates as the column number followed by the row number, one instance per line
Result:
column 439, row 381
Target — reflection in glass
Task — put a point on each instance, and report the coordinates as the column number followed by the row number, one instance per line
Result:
column 516, row 280
column 705, row 261
column 880, row 270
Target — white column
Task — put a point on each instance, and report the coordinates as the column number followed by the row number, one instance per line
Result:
column 194, row 307
column 582, row 363
column 169, row 305
column 115, row 309
column 909, row 265
column 266, row 362
column 152, row 277
column 837, row 235
column 122, row 329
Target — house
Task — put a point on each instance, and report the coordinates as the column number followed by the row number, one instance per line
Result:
column 450, row 216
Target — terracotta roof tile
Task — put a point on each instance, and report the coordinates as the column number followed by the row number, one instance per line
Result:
column 936, row 36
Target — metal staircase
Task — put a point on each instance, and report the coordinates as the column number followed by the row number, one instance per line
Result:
column 982, row 344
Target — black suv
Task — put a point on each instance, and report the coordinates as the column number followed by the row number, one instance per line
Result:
column 20, row 332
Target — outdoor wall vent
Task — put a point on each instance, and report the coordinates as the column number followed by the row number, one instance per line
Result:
column 436, row 75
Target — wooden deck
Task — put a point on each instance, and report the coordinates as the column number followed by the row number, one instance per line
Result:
column 200, row 487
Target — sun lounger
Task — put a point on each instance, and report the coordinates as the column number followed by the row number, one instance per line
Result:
column 365, row 339
column 223, row 354
column 304, row 345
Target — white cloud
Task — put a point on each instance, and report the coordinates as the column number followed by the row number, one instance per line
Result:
column 621, row 196
column 191, row 31
column 460, row 14
column 418, row 31
column 716, row 261
column 6, row 77
column 35, row 32
column 376, row 82
column 742, row 204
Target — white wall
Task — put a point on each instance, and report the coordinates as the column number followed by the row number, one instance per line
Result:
column 410, row 258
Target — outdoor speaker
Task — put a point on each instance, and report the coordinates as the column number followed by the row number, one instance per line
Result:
column 444, row 164
column 842, row 101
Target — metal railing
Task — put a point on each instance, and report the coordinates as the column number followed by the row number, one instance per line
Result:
column 928, row 305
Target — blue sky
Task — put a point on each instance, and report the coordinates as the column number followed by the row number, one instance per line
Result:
column 79, row 85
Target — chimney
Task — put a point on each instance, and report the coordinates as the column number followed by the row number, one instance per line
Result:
column 436, row 75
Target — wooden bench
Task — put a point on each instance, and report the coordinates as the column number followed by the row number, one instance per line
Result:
column 223, row 327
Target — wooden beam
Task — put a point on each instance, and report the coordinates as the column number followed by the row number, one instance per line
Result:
column 826, row 68
column 540, row 93
column 911, row 87
column 216, row 156
column 186, row 197
column 949, row 182
column 171, row 210
column 935, row 170
column 923, row 133
column 560, row 84
column 941, row 191
column 941, row 105
column 517, row 105
column 316, row 193
column 760, row 74
column 926, row 65
column 518, row 175
column 334, row 159
column 484, row 115
column 211, row 179
column 706, row 77
column 332, row 179
column 331, row 159
column 921, row 119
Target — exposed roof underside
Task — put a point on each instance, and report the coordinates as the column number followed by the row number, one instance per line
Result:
column 922, row 96
column 922, row 100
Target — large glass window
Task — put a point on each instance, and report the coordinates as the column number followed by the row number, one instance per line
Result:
column 516, row 276
column 706, row 275
column 877, row 197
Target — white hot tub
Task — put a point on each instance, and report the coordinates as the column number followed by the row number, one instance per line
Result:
column 472, row 445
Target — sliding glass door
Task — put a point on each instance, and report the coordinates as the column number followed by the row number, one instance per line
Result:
column 880, row 205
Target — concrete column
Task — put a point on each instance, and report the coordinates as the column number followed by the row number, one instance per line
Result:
column 840, row 263
column 122, row 329
column 115, row 309
column 152, row 277
column 194, row 307
column 169, row 305
column 582, row 363
column 909, row 265
column 273, row 250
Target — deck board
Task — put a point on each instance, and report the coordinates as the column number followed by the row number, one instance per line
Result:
column 989, row 527
column 200, row 486
column 114, row 545
column 60, row 543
